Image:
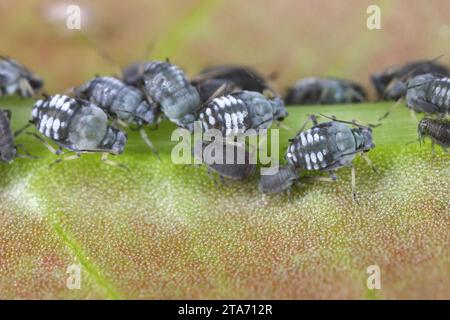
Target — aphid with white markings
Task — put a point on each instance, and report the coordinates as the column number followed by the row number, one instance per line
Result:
column 392, row 83
column 438, row 130
column 122, row 102
column 167, row 85
column 325, row 91
column 326, row 146
column 16, row 78
column 236, row 113
column 77, row 125
column 429, row 93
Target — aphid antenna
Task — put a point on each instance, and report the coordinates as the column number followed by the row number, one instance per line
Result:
column 359, row 125
column 417, row 67
column 393, row 106
column 21, row 130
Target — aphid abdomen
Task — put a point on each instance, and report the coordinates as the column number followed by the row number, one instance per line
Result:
column 227, row 114
column 438, row 130
column 7, row 149
column 167, row 85
column 77, row 125
column 53, row 116
column 438, row 93
column 309, row 150
column 280, row 181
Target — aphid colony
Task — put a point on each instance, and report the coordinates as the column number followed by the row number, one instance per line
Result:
column 231, row 99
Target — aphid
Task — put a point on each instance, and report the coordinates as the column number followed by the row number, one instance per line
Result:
column 120, row 101
column 391, row 84
column 16, row 78
column 325, row 91
column 236, row 113
column 166, row 85
column 326, row 146
column 429, row 93
column 7, row 148
column 228, row 168
column 235, row 78
column 76, row 125
column 438, row 130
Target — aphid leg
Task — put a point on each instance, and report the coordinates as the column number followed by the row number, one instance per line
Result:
column 113, row 163
column 353, row 173
column 148, row 142
column 25, row 88
column 27, row 155
column 394, row 106
column 413, row 115
column 69, row 158
column 46, row 144
column 424, row 106
column 370, row 163
column 319, row 178
column 332, row 174
column 310, row 117
column 19, row 132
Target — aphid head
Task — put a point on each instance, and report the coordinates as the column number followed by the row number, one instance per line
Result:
column 8, row 154
column 363, row 137
column 422, row 128
column 417, row 88
column 279, row 110
column 396, row 90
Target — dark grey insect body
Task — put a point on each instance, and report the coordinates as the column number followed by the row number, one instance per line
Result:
column 438, row 130
column 227, row 165
column 77, row 125
column 429, row 93
column 325, row 91
column 119, row 100
column 16, row 78
column 166, row 85
column 235, row 78
column 327, row 146
column 133, row 74
column 7, row 147
column 236, row 113
column 391, row 84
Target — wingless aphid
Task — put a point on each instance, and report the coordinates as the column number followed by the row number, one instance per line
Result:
column 438, row 130
column 429, row 93
column 325, row 91
column 121, row 102
column 167, row 86
column 391, row 84
column 16, row 78
column 77, row 125
column 236, row 113
column 327, row 146
column 235, row 78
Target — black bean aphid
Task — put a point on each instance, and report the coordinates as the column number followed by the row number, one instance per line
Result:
column 235, row 78
column 7, row 147
column 438, row 130
column 391, row 84
column 429, row 93
column 236, row 113
column 166, row 85
column 325, row 91
column 77, row 125
column 121, row 102
column 16, row 78
column 326, row 146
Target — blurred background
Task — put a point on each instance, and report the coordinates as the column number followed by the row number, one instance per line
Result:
column 293, row 38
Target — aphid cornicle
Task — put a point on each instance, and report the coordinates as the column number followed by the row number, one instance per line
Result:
column 438, row 130
column 16, row 78
column 7, row 148
column 234, row 77
column 77, row 125
column 326, row 146
column 391, row 84
column 119, row 100
column 429, row 93
column 236, row 113
column 166, row 85
column 325, row 91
